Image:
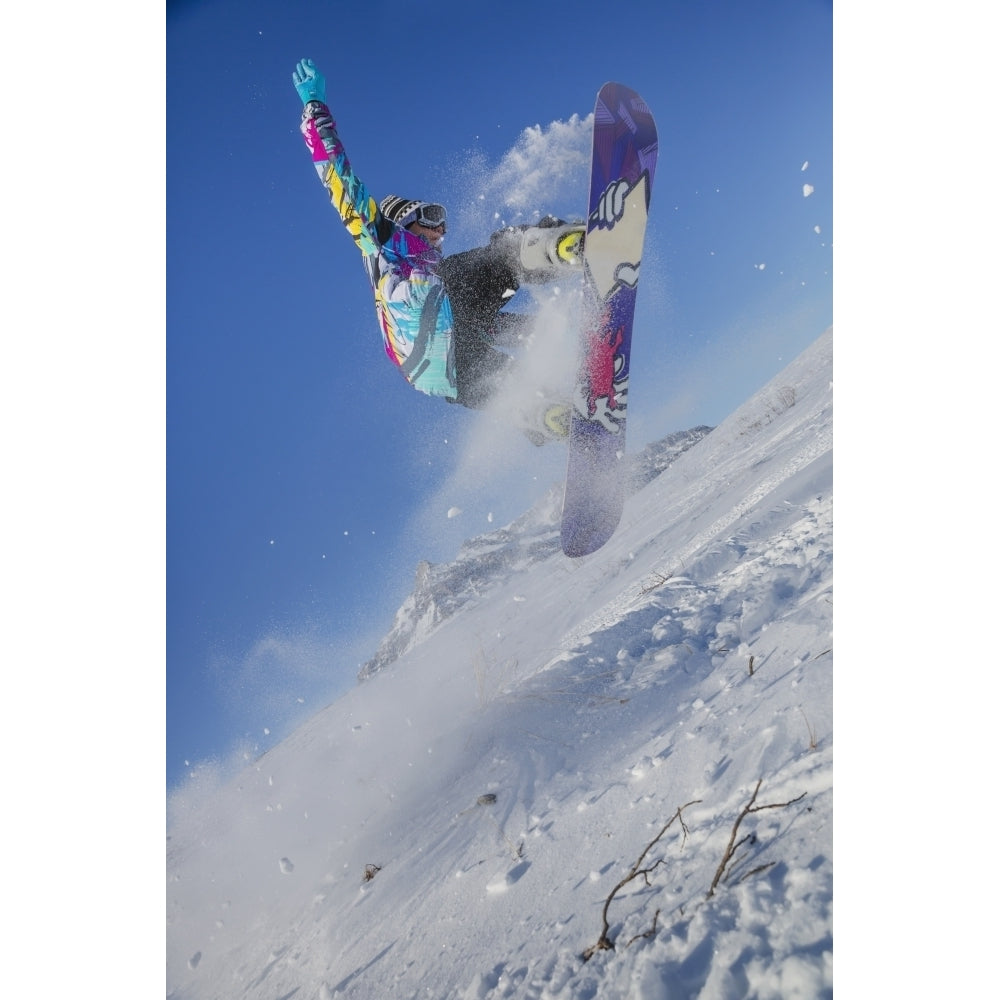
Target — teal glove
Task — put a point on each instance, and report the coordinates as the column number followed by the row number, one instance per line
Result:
column 309, row 82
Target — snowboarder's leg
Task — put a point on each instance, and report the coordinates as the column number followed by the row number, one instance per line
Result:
column 480, row 370
column 511, row 329
column 478, row 283
column 481, row 280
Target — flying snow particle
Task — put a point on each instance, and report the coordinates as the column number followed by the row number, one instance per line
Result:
column 805, row 166
column 816, row 229
column 286, row 866
column 454, row 511
column 807, row 189
column 760, row 267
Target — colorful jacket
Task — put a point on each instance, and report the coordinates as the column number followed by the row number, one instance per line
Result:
column 414, row 314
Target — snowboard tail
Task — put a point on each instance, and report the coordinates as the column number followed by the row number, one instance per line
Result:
column 625, row 150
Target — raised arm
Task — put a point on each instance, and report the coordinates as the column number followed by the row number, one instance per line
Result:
column 348, row 194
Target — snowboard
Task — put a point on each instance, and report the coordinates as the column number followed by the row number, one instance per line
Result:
column 621, row 180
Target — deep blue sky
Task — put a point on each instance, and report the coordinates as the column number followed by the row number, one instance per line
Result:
column 296, row 456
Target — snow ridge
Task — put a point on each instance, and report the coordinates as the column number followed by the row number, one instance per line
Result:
column 488, row 560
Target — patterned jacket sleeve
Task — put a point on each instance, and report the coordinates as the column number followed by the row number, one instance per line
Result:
column 348, row 194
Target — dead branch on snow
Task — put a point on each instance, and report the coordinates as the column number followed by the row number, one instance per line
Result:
column 604, row 943
column 727, row 858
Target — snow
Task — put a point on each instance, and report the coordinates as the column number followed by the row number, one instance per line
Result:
column 644, row 735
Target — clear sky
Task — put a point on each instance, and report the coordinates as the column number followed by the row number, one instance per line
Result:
column 300, row 466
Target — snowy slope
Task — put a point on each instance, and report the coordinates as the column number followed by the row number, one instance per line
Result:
column 507, row 772
column 487, row 560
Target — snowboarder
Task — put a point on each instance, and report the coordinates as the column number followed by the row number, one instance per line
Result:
column 441, row 317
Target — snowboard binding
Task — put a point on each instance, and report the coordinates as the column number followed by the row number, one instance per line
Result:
column 545, row 251
column 550, row 249
column 548, row 422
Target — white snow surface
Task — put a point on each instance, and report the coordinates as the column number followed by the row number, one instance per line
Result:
column 453, row 827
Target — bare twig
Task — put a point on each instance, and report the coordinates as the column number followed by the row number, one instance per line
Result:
column 604, row 943
column 812, row 732
column 749, row 808
column 758, row 870
column 751, row 666
column 645, row 934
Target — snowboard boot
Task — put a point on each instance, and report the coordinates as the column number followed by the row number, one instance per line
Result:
column 546, row 253
column 543, row 252
column 546, row 422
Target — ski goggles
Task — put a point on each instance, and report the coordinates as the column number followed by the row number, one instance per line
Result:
column 432, row 216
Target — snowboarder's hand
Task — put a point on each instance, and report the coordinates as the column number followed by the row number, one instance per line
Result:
column 309, row 82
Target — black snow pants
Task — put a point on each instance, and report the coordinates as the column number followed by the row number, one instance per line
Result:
column 478, row 282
